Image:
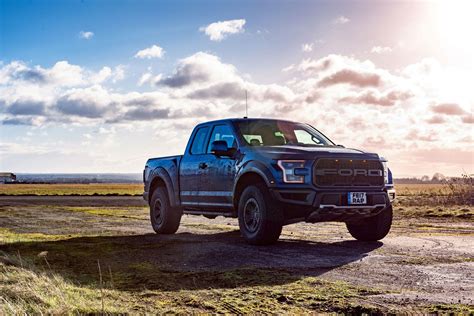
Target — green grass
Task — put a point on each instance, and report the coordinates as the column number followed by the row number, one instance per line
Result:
column 140, row 213
column 8, row 236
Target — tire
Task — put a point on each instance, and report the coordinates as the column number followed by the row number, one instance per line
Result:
column 373, row 228
column 164, row 218
column 260, row 219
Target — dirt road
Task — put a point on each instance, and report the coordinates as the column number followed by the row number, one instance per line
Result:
column 422, row 262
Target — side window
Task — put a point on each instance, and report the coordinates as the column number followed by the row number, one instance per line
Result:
column 199, row 141
column 222, row 132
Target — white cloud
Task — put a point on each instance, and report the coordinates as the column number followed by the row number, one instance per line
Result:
column 218, row 31
column 149, row 78
column 288, row 68
column 118, row 73
column 154, row 51
column 307, row 47
column 341, row 20
column 381, row 49
column 86, row 34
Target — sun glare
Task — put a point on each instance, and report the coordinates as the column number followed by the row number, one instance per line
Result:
column 456, row 29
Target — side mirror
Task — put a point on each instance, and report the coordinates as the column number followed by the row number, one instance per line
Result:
column 219, row 148
column 341, row 146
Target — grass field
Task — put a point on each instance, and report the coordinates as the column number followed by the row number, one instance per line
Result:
column 137, row 189
column 105, row 260
column 59, row 259
column 72, row 189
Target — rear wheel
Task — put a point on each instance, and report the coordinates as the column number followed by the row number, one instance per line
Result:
column 373, row 228
column 164, row 218
column 260, row 219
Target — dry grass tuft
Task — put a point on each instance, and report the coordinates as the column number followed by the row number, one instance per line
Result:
column 461, row 190
column 26, row 289
column 454, row 192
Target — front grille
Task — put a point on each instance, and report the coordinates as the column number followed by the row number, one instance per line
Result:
column 347, row 173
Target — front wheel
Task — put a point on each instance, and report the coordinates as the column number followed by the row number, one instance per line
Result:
column 373, row 228
column 164, row 218
column 260, row 219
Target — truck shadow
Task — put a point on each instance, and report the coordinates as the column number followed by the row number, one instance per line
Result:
column 185, row 261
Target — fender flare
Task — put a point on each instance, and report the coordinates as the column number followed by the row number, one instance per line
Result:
column 162, row 174
column 255, row 167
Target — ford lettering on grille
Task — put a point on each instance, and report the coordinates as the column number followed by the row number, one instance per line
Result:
column 348, row 173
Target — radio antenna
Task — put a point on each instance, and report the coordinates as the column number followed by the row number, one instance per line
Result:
column 246, row 106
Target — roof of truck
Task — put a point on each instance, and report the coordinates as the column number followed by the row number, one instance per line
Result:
column 243, row 119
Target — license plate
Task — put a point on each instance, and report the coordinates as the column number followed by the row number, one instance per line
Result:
column 356, row 198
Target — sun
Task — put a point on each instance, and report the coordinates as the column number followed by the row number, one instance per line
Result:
column 456, row 29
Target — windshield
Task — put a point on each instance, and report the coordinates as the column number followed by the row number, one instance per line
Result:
column 279, row 133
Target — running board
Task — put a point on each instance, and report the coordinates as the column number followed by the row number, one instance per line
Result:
column 209, row 213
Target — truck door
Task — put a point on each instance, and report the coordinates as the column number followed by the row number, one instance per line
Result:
column 218, row 175
column 191, row 170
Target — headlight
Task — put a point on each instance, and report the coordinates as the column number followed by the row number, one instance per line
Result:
column 385, row 171
column 293, row 170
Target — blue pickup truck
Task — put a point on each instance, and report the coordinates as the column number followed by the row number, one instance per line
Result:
column 270, row 173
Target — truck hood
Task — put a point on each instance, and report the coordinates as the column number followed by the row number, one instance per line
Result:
column 299, row 152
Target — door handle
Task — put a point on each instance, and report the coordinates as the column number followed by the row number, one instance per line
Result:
column 202, row 165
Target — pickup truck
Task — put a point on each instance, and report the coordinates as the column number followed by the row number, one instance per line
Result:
column 270, row 173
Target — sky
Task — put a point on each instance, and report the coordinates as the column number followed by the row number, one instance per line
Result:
column 101, row 86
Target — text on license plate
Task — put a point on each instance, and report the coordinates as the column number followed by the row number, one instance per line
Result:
column 357, row 198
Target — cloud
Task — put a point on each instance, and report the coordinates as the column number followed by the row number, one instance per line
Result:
column 218, row 31
column 154, row 51
column 448, row 109
column 415, row 134
column 198, row 68
column 19, row 121
column 374, row 97
column 333, row 63
column 351, row 77
column 86, row 35
column 26, row 107
column 341, row 20
column 307, row 47
column 468, row 119
column 92, row 102
column 288, row 68
column 436, row 119
column 149, row 78
column 311, row 65
column 224, row 90
column 146, row 114
column 381, row 49
column 17, row 70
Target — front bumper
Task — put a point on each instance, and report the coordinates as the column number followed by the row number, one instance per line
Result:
column 334, row 213
column 323, row 206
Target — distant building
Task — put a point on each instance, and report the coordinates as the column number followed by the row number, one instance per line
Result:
column 7, row 177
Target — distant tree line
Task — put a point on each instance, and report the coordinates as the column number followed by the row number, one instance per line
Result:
column 437, row 178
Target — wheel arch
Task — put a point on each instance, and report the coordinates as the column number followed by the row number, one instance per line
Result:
column 161, row 178
column 248, row 178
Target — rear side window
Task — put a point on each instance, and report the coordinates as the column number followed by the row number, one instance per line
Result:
column 199, row 141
